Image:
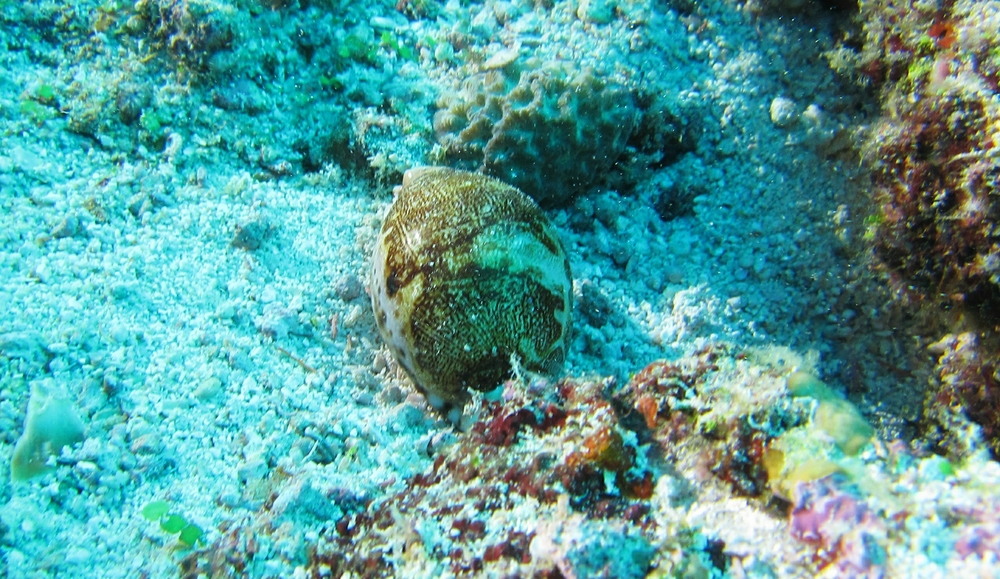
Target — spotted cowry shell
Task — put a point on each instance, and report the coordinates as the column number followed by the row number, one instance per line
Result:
column 468, row 272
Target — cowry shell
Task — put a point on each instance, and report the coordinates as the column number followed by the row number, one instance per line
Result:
column 467, row 274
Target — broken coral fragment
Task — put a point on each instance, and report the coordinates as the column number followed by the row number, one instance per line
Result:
column 580, row 547
column 51, row 424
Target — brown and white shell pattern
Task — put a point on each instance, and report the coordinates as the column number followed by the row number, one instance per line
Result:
column 468, row 272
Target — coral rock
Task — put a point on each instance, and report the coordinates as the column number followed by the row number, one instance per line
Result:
column 549, row 130
column 970, row 389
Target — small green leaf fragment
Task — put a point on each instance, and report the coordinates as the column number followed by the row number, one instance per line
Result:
column 150, row 121
column 356, row 48
column 155, row 510
column 190, row 534
column 330, row 82
column 925, row 45
column 946, row 468
column 874, row 219
column 46, row 92
column 173, row 523
column 35, row 111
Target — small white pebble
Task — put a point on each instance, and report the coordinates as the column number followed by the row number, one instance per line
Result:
column 77, row 555
column 783, row 112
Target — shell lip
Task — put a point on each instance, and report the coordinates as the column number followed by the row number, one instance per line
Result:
column 413, row 173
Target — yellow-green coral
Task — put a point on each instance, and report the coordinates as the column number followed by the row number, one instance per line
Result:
column 836, row 417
